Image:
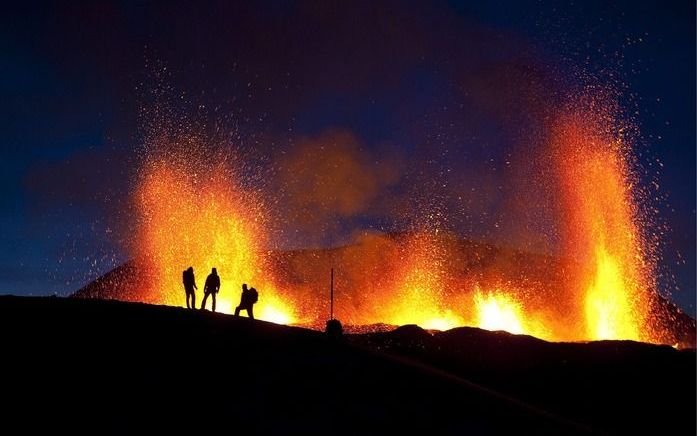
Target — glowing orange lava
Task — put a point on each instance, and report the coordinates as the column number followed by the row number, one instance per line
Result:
column 601, row 224
column 609, row 309
column 197, row 215
column 418, row 291
column 194, row 211
column 498, row 312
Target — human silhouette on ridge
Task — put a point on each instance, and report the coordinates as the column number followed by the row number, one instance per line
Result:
column 211, row 288
column 249, row 297
column 189, row 286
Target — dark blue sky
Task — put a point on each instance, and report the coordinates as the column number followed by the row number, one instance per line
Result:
column 438, row 81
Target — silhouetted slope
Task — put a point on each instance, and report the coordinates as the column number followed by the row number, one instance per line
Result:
column 620, row 387
column 79, row 365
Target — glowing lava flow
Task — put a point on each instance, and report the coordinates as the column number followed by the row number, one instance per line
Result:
column 196, row 215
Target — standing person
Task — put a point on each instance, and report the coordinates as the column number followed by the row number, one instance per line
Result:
column 249, row 297
column 212, row 287
column 189, row 286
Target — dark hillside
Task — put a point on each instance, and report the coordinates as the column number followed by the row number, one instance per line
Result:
column 111, row 367
column 618, row 386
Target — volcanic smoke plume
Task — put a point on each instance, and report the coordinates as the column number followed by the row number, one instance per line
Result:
column 198, row 204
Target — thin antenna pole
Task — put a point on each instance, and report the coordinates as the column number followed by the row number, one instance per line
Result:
column 331, row 295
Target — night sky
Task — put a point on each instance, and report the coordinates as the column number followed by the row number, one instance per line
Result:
column 448, row 83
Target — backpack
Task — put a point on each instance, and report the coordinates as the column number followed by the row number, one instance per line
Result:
column 253, row 295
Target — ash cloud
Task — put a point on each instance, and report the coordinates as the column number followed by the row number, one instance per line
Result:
column 324, row 180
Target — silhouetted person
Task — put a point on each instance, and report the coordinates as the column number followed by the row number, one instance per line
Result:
column 249, row 297
column 189, row 286
column 212, row 287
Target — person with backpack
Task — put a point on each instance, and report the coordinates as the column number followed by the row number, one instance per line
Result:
column 247, row 301
column 189, row 286
column 211, row 288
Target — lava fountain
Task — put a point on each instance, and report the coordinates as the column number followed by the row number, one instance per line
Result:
column 192, row 211
column 197, row 206
column 503, row 310
column 418, row 291
column 498, row 312
column 602, row 225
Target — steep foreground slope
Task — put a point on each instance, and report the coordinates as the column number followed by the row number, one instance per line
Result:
column 112, row 367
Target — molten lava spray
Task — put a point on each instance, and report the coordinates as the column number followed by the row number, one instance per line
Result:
column 418, row 291
column 498, row 312
column 601, row 224
column 194, row 211
column 501, row 310
column 198, row 206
